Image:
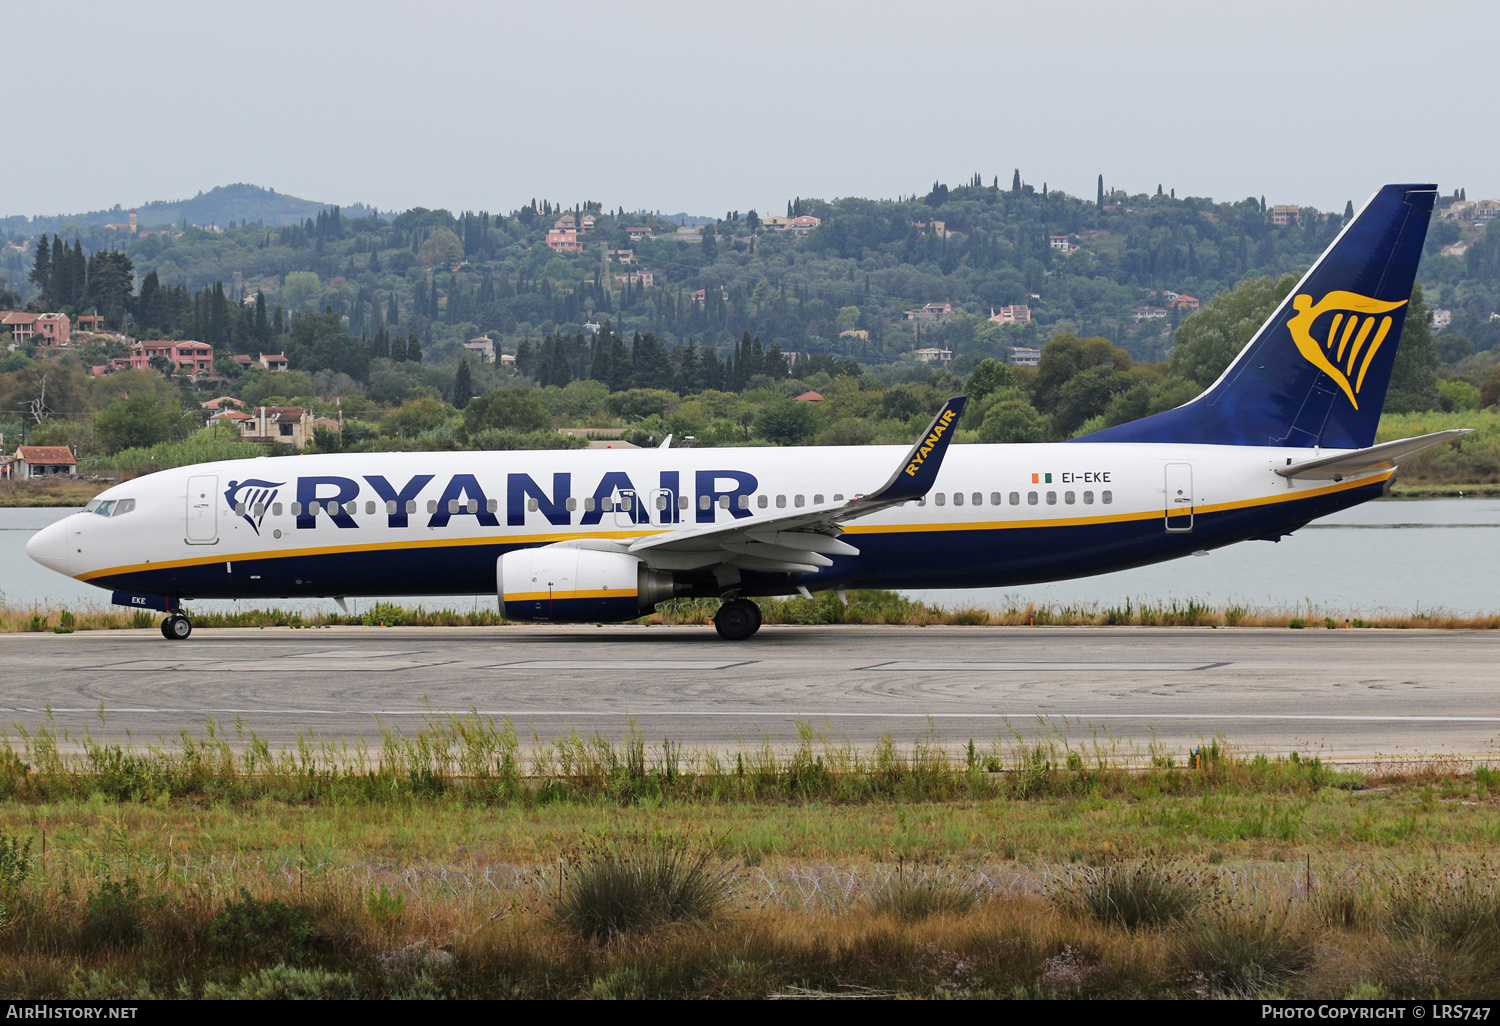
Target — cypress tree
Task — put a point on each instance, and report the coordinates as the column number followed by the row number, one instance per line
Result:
column 413, row 349
column 278, row 322
column 1015, row 183
column 41, row 270
column 1348, row 211
column 1100, row 200
column 463, row 384
column 391, row 310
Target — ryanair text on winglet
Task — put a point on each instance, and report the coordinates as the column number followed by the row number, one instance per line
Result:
column 930, row 442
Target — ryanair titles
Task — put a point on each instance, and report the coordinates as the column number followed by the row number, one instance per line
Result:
column 402, row 505
column 930, row 442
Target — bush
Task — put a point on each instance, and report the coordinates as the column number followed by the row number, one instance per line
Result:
column 114, row 915
column 1134, row 896
column 15, row 863
column 286, row 983
column 911, row 899
column 609, row 893
column 1244, row 954
column 249, row 927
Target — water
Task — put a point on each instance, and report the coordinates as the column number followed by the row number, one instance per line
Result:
column 1383, row 557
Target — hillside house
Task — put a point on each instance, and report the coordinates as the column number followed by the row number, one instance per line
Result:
column 932, row 313
column 1183, row 302
column 565, row 224
column 48, row 329
column 291, row 425
column 624, row 256
column 1017, row 314
column 1023, row 357
column 941, row 357
column 776, row 224
column 483, row 347
column 1486, row 209
column 638, row 232
column 186, row 357
column 1286, row 213
column 805, row 223
column 564, row 240
column 646, row 278
column 1147, row 313
column 701, row 295
column 938, row 228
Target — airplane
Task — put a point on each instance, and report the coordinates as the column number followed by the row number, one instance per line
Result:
column 1284, row 436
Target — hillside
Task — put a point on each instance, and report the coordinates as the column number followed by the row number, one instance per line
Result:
column 218, row 206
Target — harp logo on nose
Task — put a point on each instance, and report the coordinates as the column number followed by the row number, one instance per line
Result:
column 1340, row 335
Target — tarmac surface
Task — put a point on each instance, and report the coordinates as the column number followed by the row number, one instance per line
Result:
column 1334, row 693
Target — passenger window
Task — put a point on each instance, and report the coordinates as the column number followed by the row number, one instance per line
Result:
column 588, row 504
column 473, row 505
column 369, row 508
column 275, row 509
column 1031, row 498
column 259, row 509
column 1070, row 498
column 838, row 497
column 922, row 501
column 239, row 508
column 1107, row 497
column 296, row 509
column 817, row 500
column 958, row 498
column 800, row 500
column 314, row 508
column 940, row 498
column 531, row 505
column 1052, row 498
column 682, row 502
column 351, row 508
column 744, row 502
column 432, row 505
column 570, row 505
column 411, row 505
column 624, row 504
column 390, row 506
column 723, row 502
column 979, row 499
column 1088, row 498
column 761, row 501
column 781, row 502
column 453, row 506
column 661, row 502
column 1015, row 498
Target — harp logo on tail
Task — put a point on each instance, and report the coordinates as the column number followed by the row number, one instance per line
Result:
column 1350, row 330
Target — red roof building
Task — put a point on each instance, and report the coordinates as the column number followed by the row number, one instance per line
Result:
column 809, row 397
column 44, row 461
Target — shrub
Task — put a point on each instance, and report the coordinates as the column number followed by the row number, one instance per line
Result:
column 1245, row 954
column 270, row 929
column 608, row 893
column 114, row 915
column 286, row 983
column 910, row 899
column 1134, row 896
column 15, row 863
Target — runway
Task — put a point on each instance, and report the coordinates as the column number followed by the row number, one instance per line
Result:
column 1335, row 693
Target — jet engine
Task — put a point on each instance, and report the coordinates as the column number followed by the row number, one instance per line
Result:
column 576, row 585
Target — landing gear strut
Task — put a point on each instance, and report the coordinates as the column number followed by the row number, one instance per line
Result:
column 737, row 620
column 176, row 627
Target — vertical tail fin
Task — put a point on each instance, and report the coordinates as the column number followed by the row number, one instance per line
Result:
column 1317, row 371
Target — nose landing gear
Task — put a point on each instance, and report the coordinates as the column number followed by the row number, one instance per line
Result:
column 176, row 627
column 737, row 620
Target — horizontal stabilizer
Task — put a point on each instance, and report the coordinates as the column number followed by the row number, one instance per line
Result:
column 1384, row 456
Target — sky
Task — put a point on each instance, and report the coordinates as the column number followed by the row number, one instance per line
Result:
column 707, row 107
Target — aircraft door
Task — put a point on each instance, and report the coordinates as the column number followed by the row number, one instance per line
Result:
column 203, row 510
column 1179, row 497
column 626, row 501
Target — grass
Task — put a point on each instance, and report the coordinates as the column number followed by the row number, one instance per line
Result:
column 463, row 861
column 867, row 608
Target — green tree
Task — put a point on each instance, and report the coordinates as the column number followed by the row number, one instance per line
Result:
column 1210, row 339
column 416, row 416
column 300, row 288
column 1013, row 420
column 1413, row 376
column 508, row 409
column 1067, row 356
column 138, row 422
column 988, row 376
column 441, row 248
column 785, row 422
column 463, row 384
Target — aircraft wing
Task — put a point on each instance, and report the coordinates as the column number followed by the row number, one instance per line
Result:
column 1384, row 456
column 801, row 540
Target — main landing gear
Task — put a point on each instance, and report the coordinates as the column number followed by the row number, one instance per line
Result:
column 176, row 627
column 737, row 620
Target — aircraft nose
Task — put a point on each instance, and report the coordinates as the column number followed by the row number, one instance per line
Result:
column 49, row 547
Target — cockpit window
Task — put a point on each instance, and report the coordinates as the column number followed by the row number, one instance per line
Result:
column 105, row 508
column 92, row 505
column 123, row 506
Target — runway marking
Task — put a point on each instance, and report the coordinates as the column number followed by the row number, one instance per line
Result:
column 620, row 664
column 754, row 714
column 1029, row 666
column 252, row 666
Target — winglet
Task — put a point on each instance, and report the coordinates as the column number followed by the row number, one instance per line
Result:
column 914, row 478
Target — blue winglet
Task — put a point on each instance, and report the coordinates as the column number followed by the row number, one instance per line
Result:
column 915, row 477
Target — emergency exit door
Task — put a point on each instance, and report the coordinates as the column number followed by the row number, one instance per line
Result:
column 1179, row 497
column 202, row 510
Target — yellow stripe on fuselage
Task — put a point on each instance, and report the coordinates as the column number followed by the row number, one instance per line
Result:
column 550, row 537
column 558, row 596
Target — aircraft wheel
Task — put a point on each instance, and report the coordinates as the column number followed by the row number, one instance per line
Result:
column 176, row 627
column 737, row 620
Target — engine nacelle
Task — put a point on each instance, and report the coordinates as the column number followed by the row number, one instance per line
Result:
column 574, row 585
